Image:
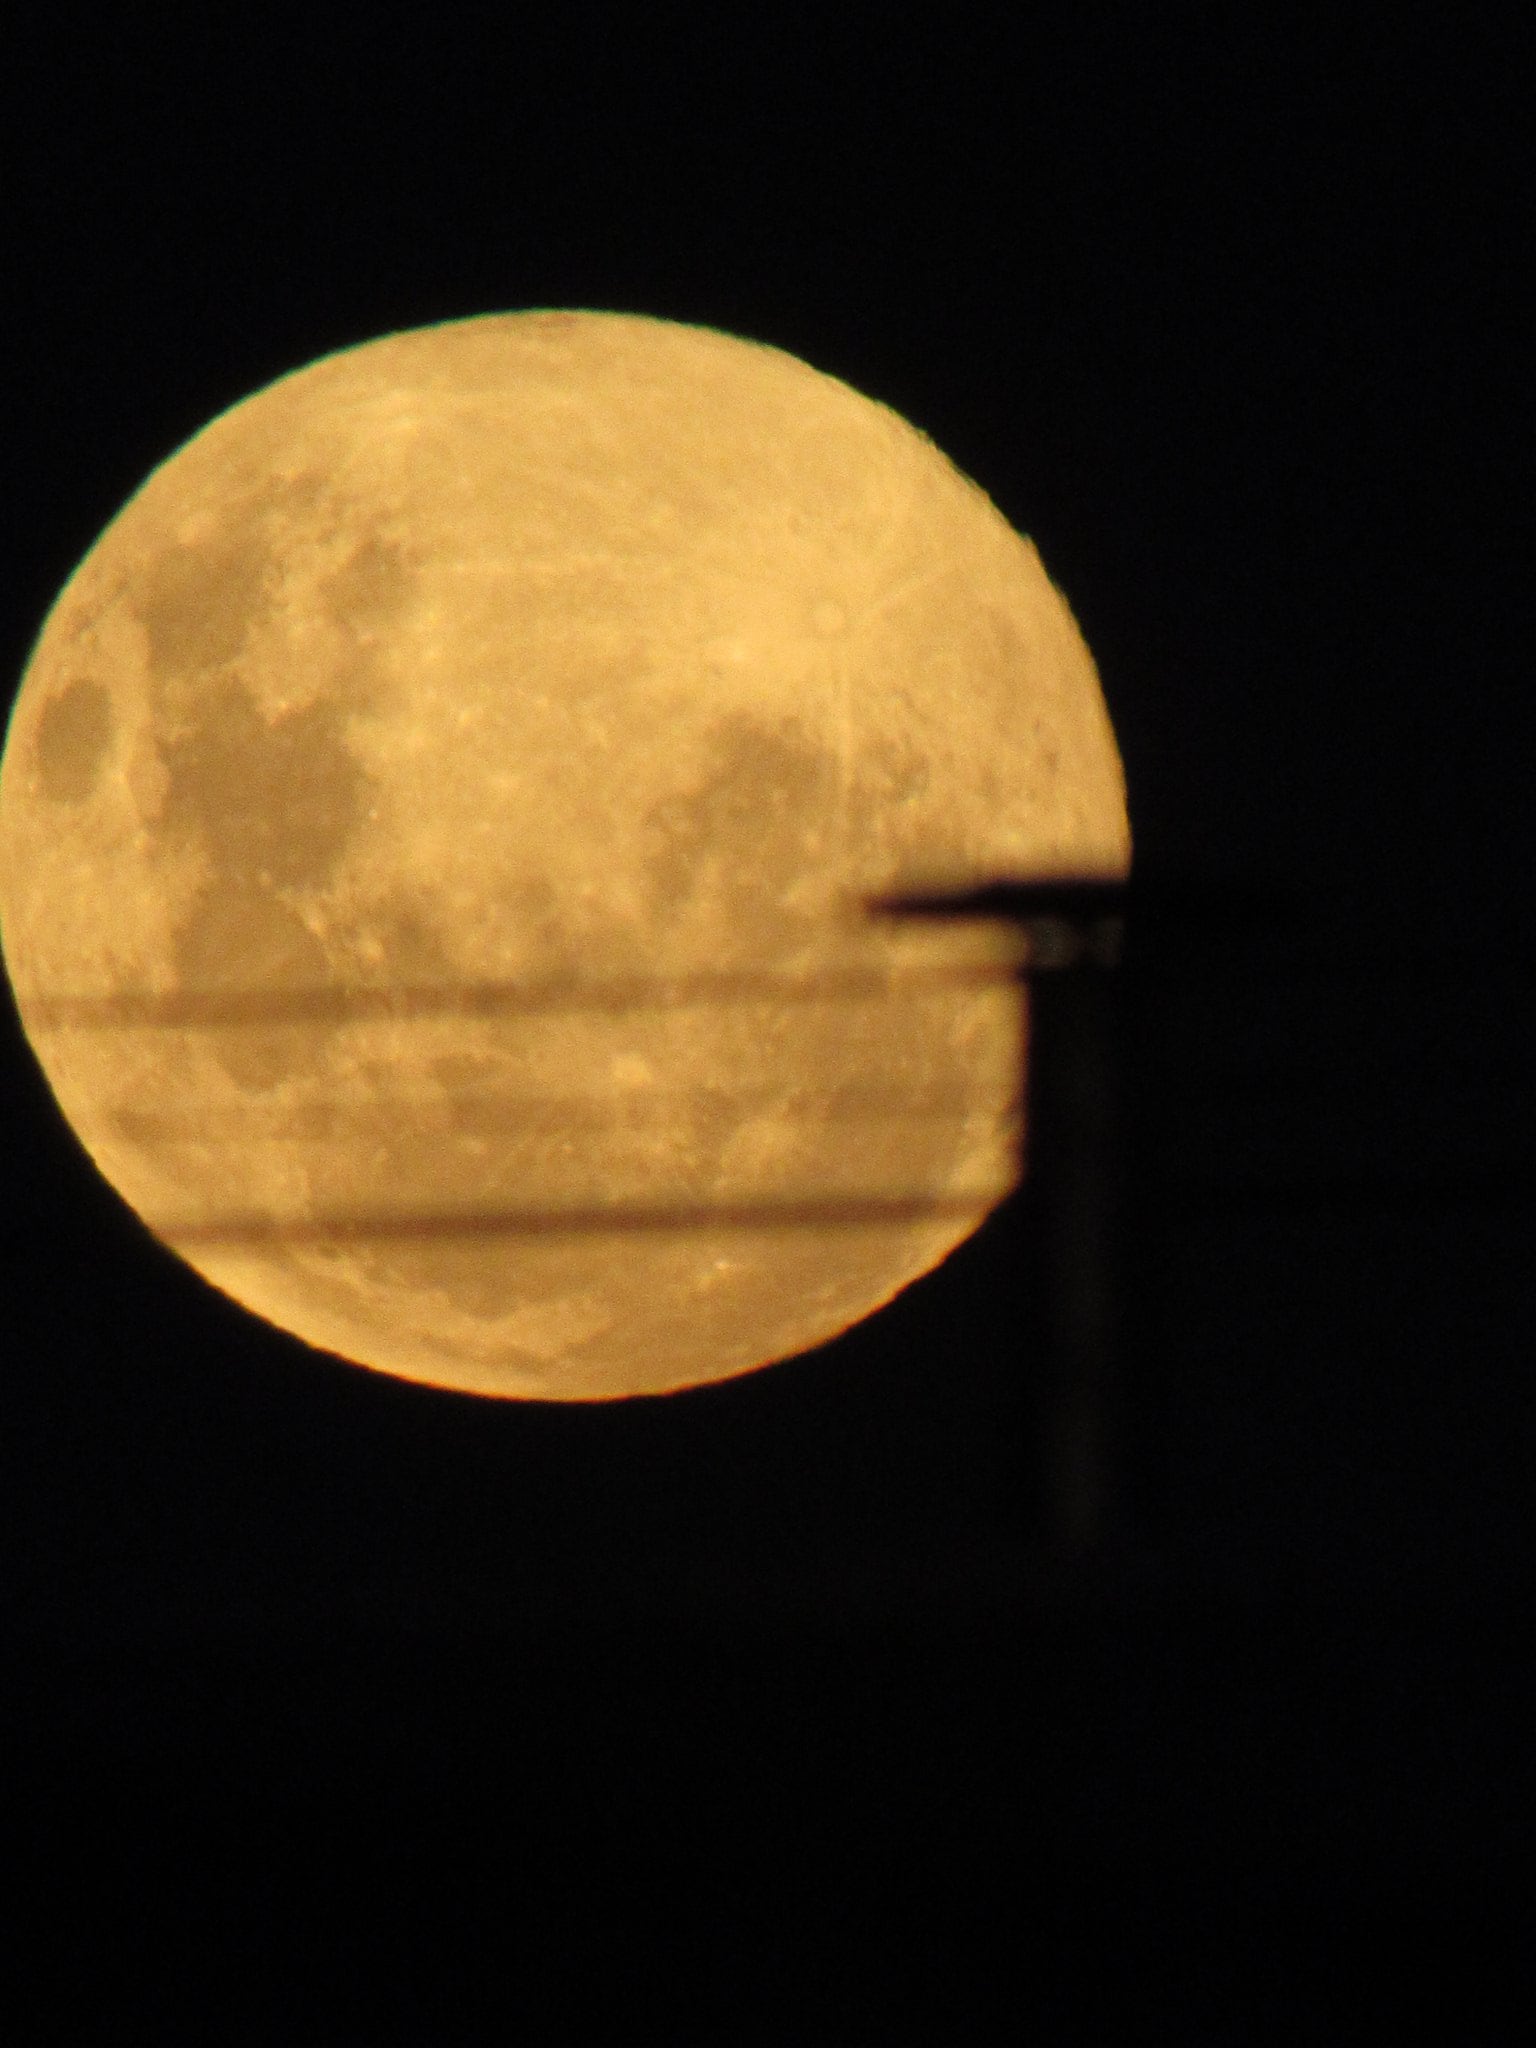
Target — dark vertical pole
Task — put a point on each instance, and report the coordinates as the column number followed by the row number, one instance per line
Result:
column 1078, row 1151
column 1069, row 1214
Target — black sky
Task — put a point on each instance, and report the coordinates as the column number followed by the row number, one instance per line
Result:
column 1225, row 317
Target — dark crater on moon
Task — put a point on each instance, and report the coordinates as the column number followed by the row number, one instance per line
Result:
column 274, row 803
column 744, row 832
column 74, row 735
column 270, row 803
column 200, row 601
column 370, row 587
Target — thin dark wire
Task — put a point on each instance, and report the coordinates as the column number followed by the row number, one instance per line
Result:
column 859, row 1212
column 328, row 1119
column 185, row 1009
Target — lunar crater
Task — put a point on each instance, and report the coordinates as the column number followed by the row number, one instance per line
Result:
column 733, row 848
column 74, row 740
column 199, row 602
column 277, row 798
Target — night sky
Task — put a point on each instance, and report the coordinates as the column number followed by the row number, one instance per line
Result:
column 1225, row 320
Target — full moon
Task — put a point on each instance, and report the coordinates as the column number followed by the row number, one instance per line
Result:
column 435, row 828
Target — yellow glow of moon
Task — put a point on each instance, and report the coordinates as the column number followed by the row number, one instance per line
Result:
column 429, row 826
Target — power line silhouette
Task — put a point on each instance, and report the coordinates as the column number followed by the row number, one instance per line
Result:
column 873, row 1211
column 614, row 1112
column 198, row 1009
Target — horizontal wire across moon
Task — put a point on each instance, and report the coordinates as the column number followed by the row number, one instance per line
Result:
column 805, row 1213
column 325, row 1119
column 197, row 1009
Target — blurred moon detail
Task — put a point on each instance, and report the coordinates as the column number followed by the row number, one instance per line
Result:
column 433, row 825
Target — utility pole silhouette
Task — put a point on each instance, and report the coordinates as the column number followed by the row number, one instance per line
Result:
column 1068, row 1215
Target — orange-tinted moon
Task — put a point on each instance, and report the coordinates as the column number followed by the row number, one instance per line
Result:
column 433, row 810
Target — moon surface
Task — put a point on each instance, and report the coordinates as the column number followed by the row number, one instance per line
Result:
column 433, row 829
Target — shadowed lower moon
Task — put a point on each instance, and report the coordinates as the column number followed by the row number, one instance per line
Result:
column 432, row 830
